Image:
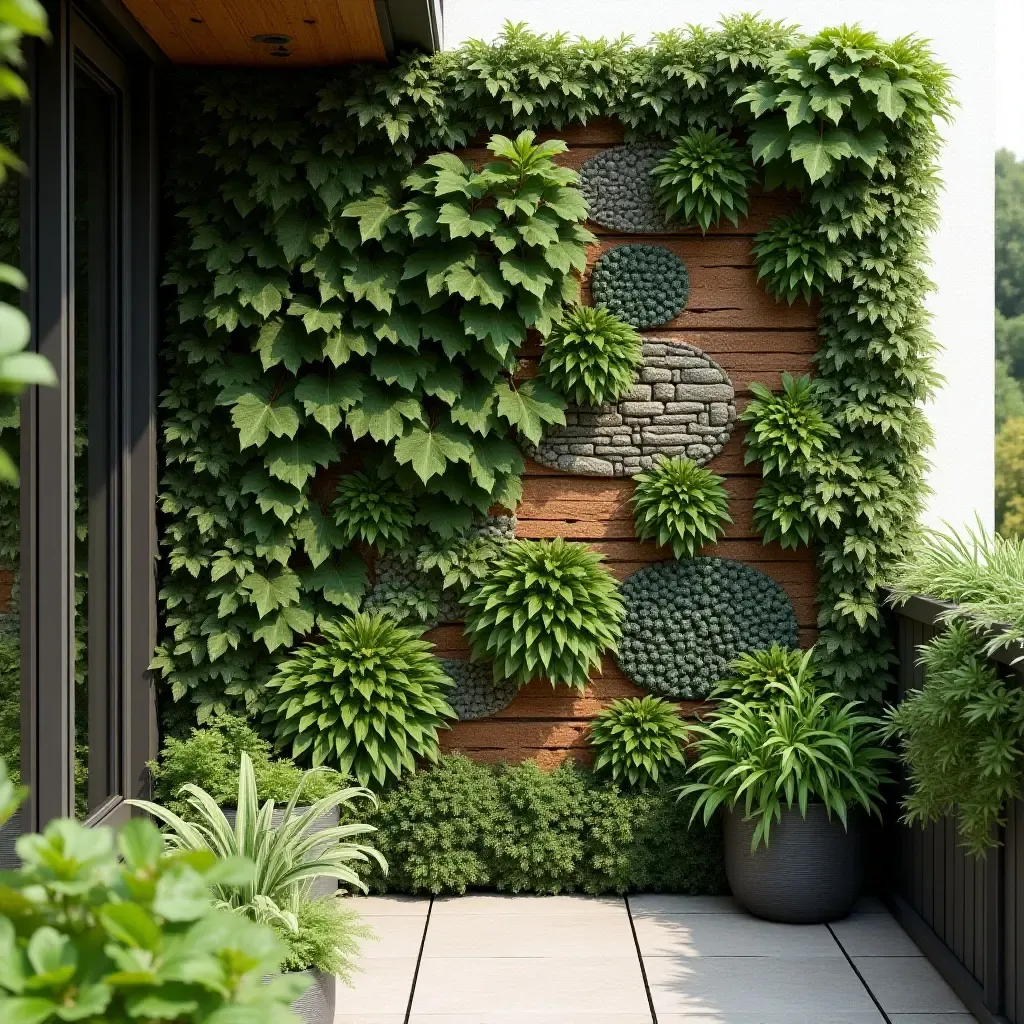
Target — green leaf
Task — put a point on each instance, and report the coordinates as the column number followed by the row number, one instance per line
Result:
column 326, row 396
column 382, row 414
column 770, row 141
column 129, row 924
column 271, row 592
column 503, row 327
column 530, row 273
column 372, row 214
column 375, row 281
column 475, row 407
column 319, row 534
column 288, row 342
column 445, row 383
column 529, row 407
column 342, row 581
column 278, row 630
column 27, row 1010
column 890, row 101
column 342, row 344
column 316, row 316
column 429, row 451
column 181, row 895
column 491, row 456
column 394, row 366
column 461, row 223
column 140, row 844
column 295, row 461
column 256, row 416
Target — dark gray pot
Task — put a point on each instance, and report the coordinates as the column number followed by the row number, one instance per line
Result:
column 316, row 1006
column 321, row 886
column 812, row 870
column 9, row 834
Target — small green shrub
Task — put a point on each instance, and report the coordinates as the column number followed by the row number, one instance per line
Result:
column 680, row 503
column 463, row 825
column 548, row 608
column 637, row 740
column 591, row 356
column 705, row 176
column 961, row 737
column 367, row 699
column 374, row 510
column 754, row 673
column 796, row 260
column 326, row 938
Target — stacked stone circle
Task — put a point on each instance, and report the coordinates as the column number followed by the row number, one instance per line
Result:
column 618, row 187
column 682, row 403
column 475, row 693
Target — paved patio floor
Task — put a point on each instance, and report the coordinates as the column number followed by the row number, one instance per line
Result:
column 488, row 959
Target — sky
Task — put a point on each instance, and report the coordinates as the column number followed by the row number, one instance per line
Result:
column 1009, row 105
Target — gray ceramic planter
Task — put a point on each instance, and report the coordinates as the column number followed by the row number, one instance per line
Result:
column 811, row 872
column 316, row 1005
column 9, row 834
column 321, row 886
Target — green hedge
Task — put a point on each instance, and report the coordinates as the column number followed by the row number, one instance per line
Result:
column 517, row 828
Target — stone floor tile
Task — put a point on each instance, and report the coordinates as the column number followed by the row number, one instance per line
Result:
column 907, row 984
column 395, row 936
column 381, row 906
column 730, row 935
column 932, row 1018
column 562, row 986
column 501, row 904
column 370, row 1018
column 530, row 935
column 664, row 903
column 874, row 935
column 811, row 988
column 533, row 1018
column 379, row 986
column 760, row 1017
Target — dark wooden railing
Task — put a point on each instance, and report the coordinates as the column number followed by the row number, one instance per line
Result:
column 966, row 913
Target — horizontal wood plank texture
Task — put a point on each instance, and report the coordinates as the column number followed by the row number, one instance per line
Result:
column 753, row 338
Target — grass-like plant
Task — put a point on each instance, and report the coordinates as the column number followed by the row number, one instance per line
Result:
column 288, row 857
column 960, row 737
column 980, row 572
column 704, row 177
column 796, row 259
column 368, row 699
column 591, row 355
column 753, row 674
column 326, row 938
column 800, row 744
column 374, row 510
column 548, row 609
column 680, row 503
column 637, row 740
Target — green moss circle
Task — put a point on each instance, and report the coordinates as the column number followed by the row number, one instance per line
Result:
column 685, row 621
column 645, row 285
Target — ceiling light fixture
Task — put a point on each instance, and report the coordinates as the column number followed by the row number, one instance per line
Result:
column 272, row 39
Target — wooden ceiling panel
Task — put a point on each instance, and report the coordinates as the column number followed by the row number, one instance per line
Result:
column 225, row 31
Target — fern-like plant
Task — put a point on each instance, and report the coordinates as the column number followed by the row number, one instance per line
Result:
column 637, row 740
column 796, row 259
column 547, row 609
column 591, row 355
column 704, row 177
column 374, row 510
column 680, row 503
column 367, row 699
column 753, row 675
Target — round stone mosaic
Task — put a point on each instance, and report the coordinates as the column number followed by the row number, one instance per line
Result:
column 645, row 285
column 475, row 693
column 617, row 184
column 682, row 403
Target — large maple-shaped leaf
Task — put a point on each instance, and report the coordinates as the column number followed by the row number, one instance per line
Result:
column 272, row 591
column 493, row 456
column 530, row 273
column 462, row 223
column 375, row 281
column 475, row 407
column 819, row 150
column 279, row 629
column 484, row 284
column 383, row 414
column 288, row 342
column 316, row 316
column 341, row 345
column 529, row 407
column 257, row 415
column 319, row 534
column 504, row 329
column 393, row 366
column 421, row 216
column 445, row 383
column 449, row 331
column 372, row 214
column 342, row 580
column 273, row 496
column 770, row 141
column 326, row 396
column 295, row 460
column 429, row 451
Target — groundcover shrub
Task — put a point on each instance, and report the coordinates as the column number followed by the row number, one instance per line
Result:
column 517, row 828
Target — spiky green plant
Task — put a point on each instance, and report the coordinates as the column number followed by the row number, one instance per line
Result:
column 800, row 744
column 753, row 674
column 680, row 503
column 374, row 510
column 704, row 176
column 637, row 740
column 547, row 609
column 367, row 699
column 796, row 259
column 591, row 355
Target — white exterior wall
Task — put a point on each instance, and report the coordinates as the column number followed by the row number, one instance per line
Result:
column 962, row 34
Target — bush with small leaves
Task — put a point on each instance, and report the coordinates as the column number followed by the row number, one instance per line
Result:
column 703, row 178
column 796, row 259
column 645, row 285
column 637, row 740
column 367, row 699
column 326, row 938
column 373, row 510
column 547, row 609
column 680, row 503
column 591, row 356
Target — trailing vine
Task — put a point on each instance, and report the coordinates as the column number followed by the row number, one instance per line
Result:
column 351, row 295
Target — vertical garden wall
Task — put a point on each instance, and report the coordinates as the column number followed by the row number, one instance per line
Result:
column 357, row 318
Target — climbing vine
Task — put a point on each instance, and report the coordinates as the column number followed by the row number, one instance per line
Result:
column 351, row 297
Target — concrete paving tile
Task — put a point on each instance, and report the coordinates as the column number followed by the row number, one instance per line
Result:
column 664, row 903
column 560, row 986
column 533, row 1018
column 395, row 936
column 769, row 1017
column 370, row 1018
column 379, row 986
column 530, row 935
column 730, row 935
column 932, row 1018
column 908, row 984
column 874, row 935
column 811, row 988
column 501, row 904
column 384, row 906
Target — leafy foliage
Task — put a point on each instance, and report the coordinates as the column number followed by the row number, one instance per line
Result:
column 288, row 857
column 326, row 938
column 637, row 740
column 960, row 738
column 796, row 744
column 590, row 356
column 368, row 699
column 1010, row 477
column 91, row 931
column 795, row 260
column 680, row 503
column 753, row 673
column 548, row 608
column 518, row 828
column 374, row 511
column 1009, row 235
column 704, row 177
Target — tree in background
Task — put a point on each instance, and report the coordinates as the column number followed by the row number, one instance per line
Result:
column 1009, row 382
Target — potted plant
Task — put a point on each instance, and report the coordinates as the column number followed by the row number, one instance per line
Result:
column 795, row 769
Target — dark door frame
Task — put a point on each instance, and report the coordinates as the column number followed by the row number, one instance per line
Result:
column 98, row 35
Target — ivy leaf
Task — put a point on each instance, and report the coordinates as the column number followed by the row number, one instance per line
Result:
column 421, row 216
column 530, row 407
column 268, row 593
column 462, row 224
column 448, row 330
column 404, row 368
column 256, row 416
column 287, row 342
column 890, row 101
column 279, row 630
column 295, row 461
column 319, row 534
column 819, row 150
column 530, row 274
column 343, row 343
column 485, row 284
column 401, row 327
column 375, row 281
column 429, row 451
column 382, row 414
column 445, row 383
column 316, row 316
column 475, row 407
column 492, row 456
column 770, row 141
column 372, row 215
column 326, row 397
column 502, row 327
column 341, row 581
column 273, row 496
